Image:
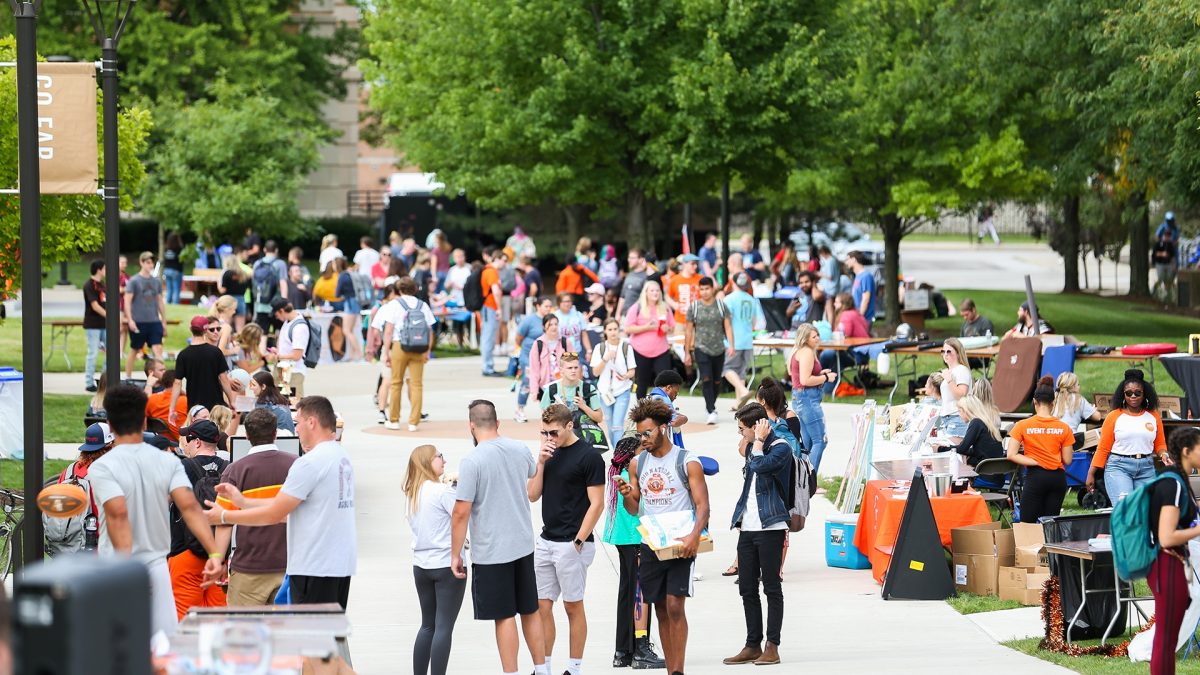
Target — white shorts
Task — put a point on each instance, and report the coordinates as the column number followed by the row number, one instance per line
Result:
column 162, row 599
column 561, row 570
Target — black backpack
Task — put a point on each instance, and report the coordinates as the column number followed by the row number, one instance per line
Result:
column 585, row 427
column 473, row 290
column 266, row 286
column 209, row 469
column 312, row 350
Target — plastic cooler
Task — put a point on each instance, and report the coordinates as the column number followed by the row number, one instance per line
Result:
column 12, row 414
column 839, row 543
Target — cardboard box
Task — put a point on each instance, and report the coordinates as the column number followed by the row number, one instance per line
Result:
column 1029, row 540
column 979, row 553
column 1023, row 584
column 672, row 552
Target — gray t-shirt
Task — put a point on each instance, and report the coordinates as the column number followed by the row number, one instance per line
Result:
column 708, row 323
column 632, row 287
column 977, row 328
column 146, row 291
column 321, row 538
column 494, row 479
column 144, row 476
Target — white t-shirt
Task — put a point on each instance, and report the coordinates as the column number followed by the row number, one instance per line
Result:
column 620, row 363
column 751, row 522
column 959, row 374
column 320, row 533
column 145, row 476
column 1076, row 417
column 662, row 490
column 329, row 255
column 456, row 279
column 366, row 258
column 291, row 339
column 431, row 526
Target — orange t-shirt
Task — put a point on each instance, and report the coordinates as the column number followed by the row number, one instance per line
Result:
column 1044, row 439
column 488, row 278
column 683, row 290
column 158, row 406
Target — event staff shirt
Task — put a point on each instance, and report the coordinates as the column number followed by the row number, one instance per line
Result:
column 1043, row 439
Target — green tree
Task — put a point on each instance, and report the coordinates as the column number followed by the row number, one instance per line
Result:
column 71, row 224
column 595, row 103
column 227, row 164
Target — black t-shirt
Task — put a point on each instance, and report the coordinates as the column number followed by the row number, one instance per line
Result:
column 599, row 314
column 1163, row 252
column 93, row 291
column 171, row 260
column 1170, row 492
column 534, row 277
column 977, row 444
column 201, row 365
column 181, row 538
column 565, row 480
column 233, row 286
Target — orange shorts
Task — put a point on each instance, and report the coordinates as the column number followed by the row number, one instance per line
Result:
column 187, row 573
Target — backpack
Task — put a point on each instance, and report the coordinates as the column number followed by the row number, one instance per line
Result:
column 312, row 351
column 205, row 489
column 541, row 346
column 68, row 535
column 508, row 279
column 266, row 286
column 800, row 490
column 585, row 426
column 1134, row 546
column 473, row 290
column 680, row 470
column 610, row 275
column 415, row 336
column 364, row 292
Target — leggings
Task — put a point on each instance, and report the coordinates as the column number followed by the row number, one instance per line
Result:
column 440, row 595
column 648, row 367
column 1043, row 494
column 709, row 367
column 1169, row 586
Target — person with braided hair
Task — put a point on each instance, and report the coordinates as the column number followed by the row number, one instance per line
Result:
column 1045, row 445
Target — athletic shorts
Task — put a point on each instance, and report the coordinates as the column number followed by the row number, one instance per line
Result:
column 660, row 578
column 149, row 333
column 738, row 362
column 561, row 570
column 506, row 308
column 504, row 590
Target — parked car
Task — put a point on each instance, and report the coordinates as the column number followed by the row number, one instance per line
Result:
column 841, row 238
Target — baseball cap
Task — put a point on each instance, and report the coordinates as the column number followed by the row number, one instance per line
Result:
column 279, row 303
column 689, row 257
column 96, row 437
column 596, row 289
column 199, row 323
column 146, row 255
column 742, row 280
column 205, row 430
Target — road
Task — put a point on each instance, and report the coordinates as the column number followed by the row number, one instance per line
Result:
column 990, row 267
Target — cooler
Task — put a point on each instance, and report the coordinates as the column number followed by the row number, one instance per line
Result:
column 12, row 414
column 839, row 543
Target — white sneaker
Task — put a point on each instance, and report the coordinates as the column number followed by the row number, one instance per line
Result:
column 412, row 427
column 382, row 417
column 520, row 417
column 394, row 426
column 712, row 417
column 697, row 577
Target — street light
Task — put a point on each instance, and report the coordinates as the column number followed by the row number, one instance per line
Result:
column 110, row 26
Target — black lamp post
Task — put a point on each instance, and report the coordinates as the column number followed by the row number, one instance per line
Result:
column 30, row 190
column 109, row 25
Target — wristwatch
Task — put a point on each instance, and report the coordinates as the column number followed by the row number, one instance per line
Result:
column 578, row 543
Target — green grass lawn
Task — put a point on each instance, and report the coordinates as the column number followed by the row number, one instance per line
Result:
column 12, row 472
column 1097, row 665
column 64, row 414
column 969, row 603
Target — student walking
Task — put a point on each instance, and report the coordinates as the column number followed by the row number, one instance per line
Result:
column 745, row 316
column 407, row 344
column 707, row 340
column 544, row 357
column 145, row 312
column 528, row 331
column 648, row 323
column 93, row 321
column 1047, row 445
column 762, row 516
column 133, row 484
column 570, row 483
column 430, row 503
column 664, row 478
column 493, row 499
column 317, row 499
column 614, row 368
column 1172, row 525
column 1130, row 437
column 258, row 563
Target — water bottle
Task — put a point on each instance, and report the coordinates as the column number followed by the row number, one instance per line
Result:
column 91, row 532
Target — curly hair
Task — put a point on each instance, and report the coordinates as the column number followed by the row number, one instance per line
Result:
column 650, row 409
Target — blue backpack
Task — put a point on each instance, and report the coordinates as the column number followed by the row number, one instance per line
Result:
column 1134, row 545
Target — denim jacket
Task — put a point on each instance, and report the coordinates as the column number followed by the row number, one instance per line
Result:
column 774, row 470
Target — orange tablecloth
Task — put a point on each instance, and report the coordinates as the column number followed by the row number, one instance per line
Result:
column 882, row 508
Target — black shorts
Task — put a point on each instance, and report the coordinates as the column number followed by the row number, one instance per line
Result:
column 150, row 334
column 318, row 590
column 505, row 590
column 660, row 578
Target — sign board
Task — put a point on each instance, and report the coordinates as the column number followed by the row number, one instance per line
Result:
column 66, row 117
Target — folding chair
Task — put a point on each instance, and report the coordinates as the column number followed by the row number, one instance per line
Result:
column 1003, row 496
column 1058, row 360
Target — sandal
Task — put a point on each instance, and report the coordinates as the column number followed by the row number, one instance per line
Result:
column 731, row 571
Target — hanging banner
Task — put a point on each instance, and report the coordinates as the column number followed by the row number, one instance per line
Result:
column 66, row 99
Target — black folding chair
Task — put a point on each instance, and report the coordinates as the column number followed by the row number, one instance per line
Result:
column 1008, row 494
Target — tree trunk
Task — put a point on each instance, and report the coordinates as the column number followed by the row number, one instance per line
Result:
column 1070, row 254
column 893, row 231
column 635, row 218
column 787, row 223
column 758, row 229
column 571, row 215
column 1139, row 246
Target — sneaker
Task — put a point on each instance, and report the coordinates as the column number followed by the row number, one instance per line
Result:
column 712, row 417
column 91, row 388
column 382, row 418
column 520, row 417
column 412, row 427
column 394, row 426
column 424, row 416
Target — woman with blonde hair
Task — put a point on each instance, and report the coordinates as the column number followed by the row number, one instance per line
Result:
column 251, row 348
column 982, row 438
column 808, row 378
column 1069, row 406
column 648, row 323
column 430, row 503
column 351, row 310
column 227, row 424
column 956, row 383
column 234, row 283
column 223, row 309
column 329, row 251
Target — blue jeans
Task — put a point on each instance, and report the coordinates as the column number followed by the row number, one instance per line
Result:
column 487, row 337
column 951, row 425
column 807, row 404
column 1123, row 474
column 523, row 390
column 615, row 416
column 95, row 338
column 174, row 279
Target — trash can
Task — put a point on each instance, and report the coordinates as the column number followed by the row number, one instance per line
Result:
column 1099, row 608
column 12, row 414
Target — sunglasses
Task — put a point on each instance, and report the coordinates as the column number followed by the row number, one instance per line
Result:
column 570, row 355
column 1133, row 393
column 213, row 329
column 550, row 433
column 643, row 435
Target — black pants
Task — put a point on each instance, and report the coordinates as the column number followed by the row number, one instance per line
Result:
column 709, row 368
column 319, row 590
column 1043, row 494
column 648, row 368
column 629, row 597
column 760, row 555
column 440, row 594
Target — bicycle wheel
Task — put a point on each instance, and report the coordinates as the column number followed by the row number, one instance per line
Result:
column 7, row 533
